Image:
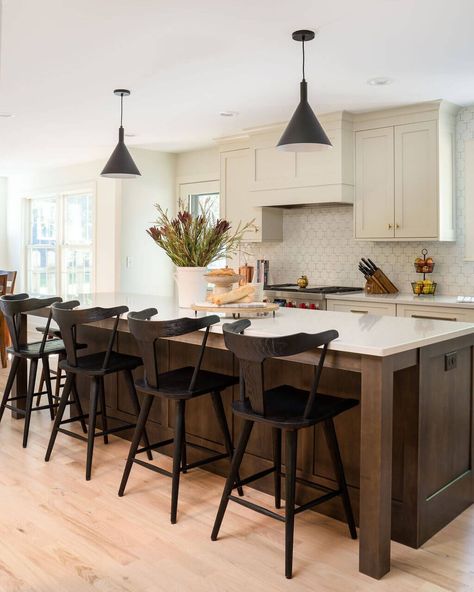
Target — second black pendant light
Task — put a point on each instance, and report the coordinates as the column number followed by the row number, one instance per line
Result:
column 304, row 133
column 120, row 164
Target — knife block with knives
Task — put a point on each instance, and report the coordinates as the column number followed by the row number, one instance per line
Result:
column 376, row 281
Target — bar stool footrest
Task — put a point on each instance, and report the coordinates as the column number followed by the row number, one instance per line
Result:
column 155, row 446
column 319, row 500
column 205, row 461
column 72, row 434
column 257, row 508
column 255, row 476
column 148, row 465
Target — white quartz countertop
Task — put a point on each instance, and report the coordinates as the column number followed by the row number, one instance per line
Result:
column 361, row 334
column 448, row 301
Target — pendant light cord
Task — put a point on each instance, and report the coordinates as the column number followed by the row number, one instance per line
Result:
column 302, row 45
column 121, row 109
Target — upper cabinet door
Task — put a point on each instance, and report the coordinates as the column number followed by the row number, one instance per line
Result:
column 238, row 201
column 374, row 180
column 416, row 180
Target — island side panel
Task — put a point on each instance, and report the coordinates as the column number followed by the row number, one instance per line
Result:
column 446, row 434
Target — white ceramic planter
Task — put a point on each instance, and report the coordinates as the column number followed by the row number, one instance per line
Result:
column 192, row 285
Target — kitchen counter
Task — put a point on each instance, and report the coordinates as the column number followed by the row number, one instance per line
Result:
column 413, row 378
column 403, row 298
column 368, row 334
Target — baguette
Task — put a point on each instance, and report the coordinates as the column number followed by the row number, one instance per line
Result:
column 233, row 295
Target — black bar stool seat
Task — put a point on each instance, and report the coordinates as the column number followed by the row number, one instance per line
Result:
column 179, row 385
column 286, row 409
column 39, row 349
column 95, row 367
column 285, row 406
column 93, row 364
column 175, row 383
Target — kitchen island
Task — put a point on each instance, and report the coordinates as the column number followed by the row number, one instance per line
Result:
column 407, row 448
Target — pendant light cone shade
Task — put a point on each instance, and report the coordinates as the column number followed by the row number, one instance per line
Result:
column 304, row 133
column 120, row 164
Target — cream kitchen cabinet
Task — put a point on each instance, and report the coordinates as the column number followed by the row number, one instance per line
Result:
column 238, row 201
column 446, row 313
column 362, row 307
column 404, row 174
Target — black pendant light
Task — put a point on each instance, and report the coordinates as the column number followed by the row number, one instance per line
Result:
column 304, row 133
column 120, row 164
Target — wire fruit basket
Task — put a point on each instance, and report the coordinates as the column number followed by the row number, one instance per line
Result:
column 424, row 265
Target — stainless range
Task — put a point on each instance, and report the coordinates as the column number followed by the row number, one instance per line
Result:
column 312, row 297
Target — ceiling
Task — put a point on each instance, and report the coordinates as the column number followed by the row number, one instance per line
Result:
column 185, row 61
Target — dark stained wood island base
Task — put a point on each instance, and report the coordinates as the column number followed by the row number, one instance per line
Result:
column 405, row 492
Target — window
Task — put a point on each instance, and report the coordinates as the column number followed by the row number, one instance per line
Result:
column 203, row 194
column 60, row 244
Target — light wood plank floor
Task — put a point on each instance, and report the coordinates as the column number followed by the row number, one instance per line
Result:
column 60, row 533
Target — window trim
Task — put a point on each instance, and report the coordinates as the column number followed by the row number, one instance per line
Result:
column 60, row 193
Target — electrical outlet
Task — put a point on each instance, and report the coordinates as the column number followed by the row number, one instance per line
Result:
column 450, row 361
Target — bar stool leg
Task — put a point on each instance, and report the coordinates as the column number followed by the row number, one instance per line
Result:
column 59, row 415
column 331, row 439
column 94, row 397
column 103, row 408
column 234, row 471
column 137, row 436
column 222, row 420
column 291, row 449
column 178, row 446
column 46, row 377
column 184, row 456
column 29, row 399
column 59, row 374
column 9, row 385
column 136, row 404
column 77, row 402
column 276, row 434
column 40, row 388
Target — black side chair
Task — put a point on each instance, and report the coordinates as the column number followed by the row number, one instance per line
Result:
column 12, row 307
column 94, row 366
column 286, row 409
column 178, row 385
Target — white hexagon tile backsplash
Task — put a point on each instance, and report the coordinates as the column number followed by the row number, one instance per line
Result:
column 318, row 241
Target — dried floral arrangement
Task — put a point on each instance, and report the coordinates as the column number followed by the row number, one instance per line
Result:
column 196, row 241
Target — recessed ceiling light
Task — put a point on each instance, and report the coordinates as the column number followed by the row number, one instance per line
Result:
column 7, row 115
column 379, row 81
column 228, row 113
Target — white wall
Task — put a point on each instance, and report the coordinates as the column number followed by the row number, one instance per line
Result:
column 151, row 272
column 107, row 216
column 3, row 224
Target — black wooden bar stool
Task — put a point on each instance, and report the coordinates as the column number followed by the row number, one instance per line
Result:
column 95, row 367
column 286, row 409
column 12, row 307
column 178, row 385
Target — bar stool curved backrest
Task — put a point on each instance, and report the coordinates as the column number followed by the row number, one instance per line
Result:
column 14, row 305
column 253, row 351
column 69, row 319
column 147, row 333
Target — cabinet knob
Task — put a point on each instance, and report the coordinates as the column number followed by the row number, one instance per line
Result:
column 390, row 226
column 256, row 228
column 397, row 225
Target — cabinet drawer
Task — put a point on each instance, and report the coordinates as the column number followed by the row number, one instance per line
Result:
column 437, row 313
column 361, row 307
